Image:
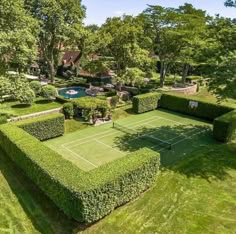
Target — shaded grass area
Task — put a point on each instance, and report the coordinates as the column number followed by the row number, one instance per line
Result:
column 197, row 195
column 24, row 208
column 14, row 108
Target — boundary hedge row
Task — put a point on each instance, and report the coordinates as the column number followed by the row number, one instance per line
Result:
column 44, row 127
column 205, row 110
column 84, row 196
column 224, row 127
column 145, row 102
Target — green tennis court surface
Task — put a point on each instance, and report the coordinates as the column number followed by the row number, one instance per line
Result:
column 173, row 135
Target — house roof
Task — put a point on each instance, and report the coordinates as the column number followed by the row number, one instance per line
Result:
column 71, row 57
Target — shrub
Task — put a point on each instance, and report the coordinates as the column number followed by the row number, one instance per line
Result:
column 49, row 92
column 84, row 196
column 181, row 104
column 36, row 87
column 114, row 101
column 44, row 127
column 111, row 93
column 3, row 119
column 224, row 127
column 26, row 96
column 68, row 110
column 145, row 102
column 91, row 107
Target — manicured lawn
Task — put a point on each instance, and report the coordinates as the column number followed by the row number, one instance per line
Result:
column 73, row 125
column 17, row 109
column 93, row 147
column 197, row 195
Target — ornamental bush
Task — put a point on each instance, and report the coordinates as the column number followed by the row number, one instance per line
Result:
column 36, row 87
column 204, row 109
column 84, row 196
column 68, row 110
column 91, row 108
column 26, row 96
column 224, row 127
column 145, row 102
column 44, row 127
column 49, row 92
column 3, row 119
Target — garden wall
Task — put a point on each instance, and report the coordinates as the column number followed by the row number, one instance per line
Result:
column 187, row 91
column 84, row 196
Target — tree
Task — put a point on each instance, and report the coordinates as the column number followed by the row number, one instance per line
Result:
column 5, row 88
column 230, row 3
column 18, row 31
column 58, row 20
column 160, row 24
column 132, row 76
column 122, row 38
column 192, row 28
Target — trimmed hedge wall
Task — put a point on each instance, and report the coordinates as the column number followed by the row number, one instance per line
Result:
column 145, row 102
column 84, row 196
column 44, row 127
column 205, row 110
column 224, row 127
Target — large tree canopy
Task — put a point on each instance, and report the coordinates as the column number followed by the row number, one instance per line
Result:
column 18, row 32
column 58, row 19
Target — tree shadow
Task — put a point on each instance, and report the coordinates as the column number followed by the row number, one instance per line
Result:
column 194, row 152
column 163, row 136
column 212, row 163
column 43, row 101
column 20, row 106
column 43, row 213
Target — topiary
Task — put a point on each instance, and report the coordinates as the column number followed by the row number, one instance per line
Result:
column 36, row 87
column 68, row 110
column 49, row 92
column 26, row 96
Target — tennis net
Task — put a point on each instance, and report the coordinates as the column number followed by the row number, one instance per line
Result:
column 147, row 137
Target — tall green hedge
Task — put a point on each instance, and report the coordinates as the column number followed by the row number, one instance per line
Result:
column 145, row 102
column 44, row 127
column 224, row 127
column 84, row 196
column 205, row 110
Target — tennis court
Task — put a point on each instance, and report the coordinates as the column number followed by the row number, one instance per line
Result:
column 171, row 134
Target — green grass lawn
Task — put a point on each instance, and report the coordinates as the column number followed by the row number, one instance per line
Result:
column 95, row 146
column 196, row 195
column 14, row 108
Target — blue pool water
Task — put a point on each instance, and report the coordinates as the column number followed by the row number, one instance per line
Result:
column 72, row 92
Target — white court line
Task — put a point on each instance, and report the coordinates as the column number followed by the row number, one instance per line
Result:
column 189, row 137
column 77, row 155
column 154, row 117
column 170, row 120
column 109, row 134
column 109, row 146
